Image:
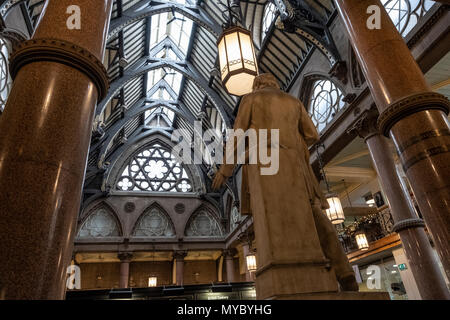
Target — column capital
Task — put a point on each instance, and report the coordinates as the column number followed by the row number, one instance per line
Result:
column 125, row 256
column 246, row 238
column 180, row 255
column 229, row 253
column 366, row 125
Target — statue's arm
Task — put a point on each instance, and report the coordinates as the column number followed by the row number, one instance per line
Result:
column 242, row 122
column 306, row 127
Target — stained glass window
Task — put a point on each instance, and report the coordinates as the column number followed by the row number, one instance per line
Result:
column 270, row 13
column 203, row 224
column 406, row 13
column 101, row 223
column 154, row 169
column 154, row 223
column 5, row 78
column 326, row 101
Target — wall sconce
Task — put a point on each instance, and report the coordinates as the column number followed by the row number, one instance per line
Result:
column 251, row 262
column 152, row 281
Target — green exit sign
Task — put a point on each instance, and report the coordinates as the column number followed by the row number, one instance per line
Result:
column 402, row 267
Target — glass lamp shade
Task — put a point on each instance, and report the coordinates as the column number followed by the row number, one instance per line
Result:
column 361, row 241
column 152, row 282
column 237, row 59
column 370, row 202
column 251, row 262
column 335, row 213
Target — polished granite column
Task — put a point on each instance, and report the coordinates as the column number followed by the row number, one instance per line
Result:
column 410, row 227
column 229, row 264
column 179, row 265
column 45, row 134
column 410, row 113
column 125, row 259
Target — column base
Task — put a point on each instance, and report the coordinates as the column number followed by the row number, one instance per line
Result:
column 344, row 295
column 291, row 280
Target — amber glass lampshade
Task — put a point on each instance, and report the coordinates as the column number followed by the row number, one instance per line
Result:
column 237, row 58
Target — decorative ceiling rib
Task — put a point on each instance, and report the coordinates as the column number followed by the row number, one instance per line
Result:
column 132, row 53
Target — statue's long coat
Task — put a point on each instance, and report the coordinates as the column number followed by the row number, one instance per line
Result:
column 268, row 107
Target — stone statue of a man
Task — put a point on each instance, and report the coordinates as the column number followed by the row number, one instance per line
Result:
column 297, row 246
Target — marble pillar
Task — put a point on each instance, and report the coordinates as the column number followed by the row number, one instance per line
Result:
column 229, row 264
column 179, row 264
column 410, row 228
column 46, row 130
column 410, row 113
column 125, row 259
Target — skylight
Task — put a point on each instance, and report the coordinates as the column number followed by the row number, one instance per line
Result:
column 173, row 25
column 165, row 83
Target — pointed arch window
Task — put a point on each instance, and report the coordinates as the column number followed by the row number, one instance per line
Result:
column 99, row 224
column 154, row 223
column 406, row 13
column 325, row 103
column 203, row 224
column 154, row 169
column 270, row 14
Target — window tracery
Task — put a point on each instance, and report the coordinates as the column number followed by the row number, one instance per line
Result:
column 325, row 103
column 270, row 14
column 406, row 13
column 154, row 169
column 154, row 223
column 5, row 78
column 203, row 224
column 100, row 224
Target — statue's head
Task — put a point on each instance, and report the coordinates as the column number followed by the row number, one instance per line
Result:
column 265, row 80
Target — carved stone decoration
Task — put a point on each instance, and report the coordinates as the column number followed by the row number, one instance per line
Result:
column 235, row 218
column 61, row 51
column 129, row 207
column 125, row 256
column 180, row 208
column 409, row 105
column 100, row 224
column 366, row 125
column 203, row 224
column 339, row 71
column 154, row 223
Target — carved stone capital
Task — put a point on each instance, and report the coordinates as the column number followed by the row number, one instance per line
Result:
column 64, row 52
column 125, row 256
column 366, row 125
column 180, row 255
column 410, row 105
column 246, row 238
column 229, row 253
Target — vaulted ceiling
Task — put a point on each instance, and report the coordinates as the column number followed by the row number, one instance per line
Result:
column 162, row 63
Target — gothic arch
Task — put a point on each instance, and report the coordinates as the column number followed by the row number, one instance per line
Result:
column 100, row 222
column 203, row 223
column 193, row 173
column 323, row 98
column 154, row 222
